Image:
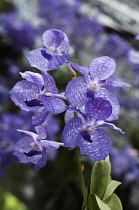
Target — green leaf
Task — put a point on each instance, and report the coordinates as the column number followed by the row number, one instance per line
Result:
column 94, row 203
column 110, row 188
column 113, row 202
column 100, row 177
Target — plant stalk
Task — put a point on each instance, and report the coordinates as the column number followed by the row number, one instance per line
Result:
column 80, row 173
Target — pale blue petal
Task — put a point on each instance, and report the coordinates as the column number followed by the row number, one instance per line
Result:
column 111, row 97
column 102, row 67
column 40, row 116
column 68, row 115
column 100, row 147
column 98, row 109
column 24, row 91
column 31, row 134
column 50, row 144
column 56, row 39
column 54, row 105
column 110, row 82
column 42, row 161
column 110, row 125
column 41, row 132
column 33, row 77
column 49, row 83
column 72, row 131
column 76, row 92
column 37, row 60
column 23, row 146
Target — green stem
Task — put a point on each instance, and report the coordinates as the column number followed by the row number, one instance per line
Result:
column 80, row 173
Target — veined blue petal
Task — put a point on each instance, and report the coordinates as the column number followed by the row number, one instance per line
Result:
column 56, row 40
column 50, row 144
column 102, row 67
column 68, row 115
column 40, row 116
column 54, row 105
column 24, row 91
column 111, row 97
column 23, row 146
column 33, row 77
column 76, row 92
column 98, row 109
column 41, row 132
column 37, row 60
column 99, row 148
column 57, row 61
column 42, row 161
column 71, row 132
column 49, row 83
column 33, row 135
column 110, row 82
column 110, row 125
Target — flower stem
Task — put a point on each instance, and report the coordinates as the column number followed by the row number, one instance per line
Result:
column 71, row 70
column 80, row 173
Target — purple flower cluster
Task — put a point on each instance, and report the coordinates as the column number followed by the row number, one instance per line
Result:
column 89, row 102
column 22, row 34
column 121, row 164
column 116, row 47
column 9, row 136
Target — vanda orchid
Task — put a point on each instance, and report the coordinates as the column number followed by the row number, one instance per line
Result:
column 88, row 103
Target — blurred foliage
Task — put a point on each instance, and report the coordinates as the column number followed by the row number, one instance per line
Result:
column 55, row 186
column 133, row 135
column 6, row 6
column 10, row 202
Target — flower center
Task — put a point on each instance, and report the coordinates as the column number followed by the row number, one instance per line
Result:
column 94, row 86
column 90, row 129
column 36, row 96
column 52, row 48
column 35, row 146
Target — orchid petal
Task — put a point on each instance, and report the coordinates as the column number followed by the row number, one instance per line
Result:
column 110, row 82
column 76, row 92
column 41, row 132
column 98, row 109
column 111, row 97
column 72, row 131
column 110, row 125
column 33, row 135
column 99, row 148
column 23, row 146
column 50, row 144
column 24, row 91
column 37, row 60
column 56, row 39
column 55, row 105
column 49, row 83
column 40, row 116
column 42, row 161
column 102, row 67
column 33, row 77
